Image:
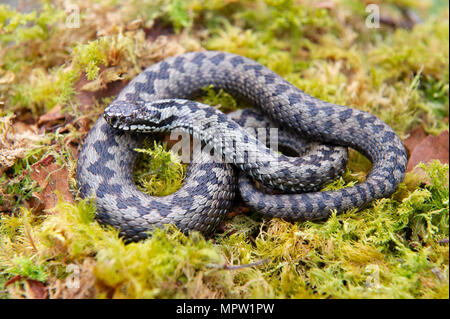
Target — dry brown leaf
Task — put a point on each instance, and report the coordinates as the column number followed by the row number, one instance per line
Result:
column 88, row 98
column 431, row 148
column 106, row 76
column 36, row 289
column 52, row 116
column 83, row 124
column 31, row 289
column 414, row 139
column 53, row 179
column 239, row 210
column 15, row 140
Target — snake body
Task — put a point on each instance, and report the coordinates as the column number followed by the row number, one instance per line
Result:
column 157, row 100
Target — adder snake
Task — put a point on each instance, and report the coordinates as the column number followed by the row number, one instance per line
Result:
column 157, row 101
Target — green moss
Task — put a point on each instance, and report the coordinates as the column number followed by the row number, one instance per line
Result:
column 159, row 171
column 20, row 27
column 21, row 34
column 89, row 57
column 179, row 15
column 220, row 99
column 44, row 91
column 250, row 44
column 406, row 53
column 17, row 190
column 287, row 19
column 420, row 58
column 27, row 268
column 428, row 208
column 38, row 84
column 151, row 268
column 18, row 254
column 375, row 253
column 16, row 185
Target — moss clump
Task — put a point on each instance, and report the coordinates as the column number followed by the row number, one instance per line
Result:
column 21, row 27
column 152, row 268
column 220, row 99
column 159, row 171
column 390, row 250
column 45, row 90
column 418, row 58
column 16, row 191
column 27, row 268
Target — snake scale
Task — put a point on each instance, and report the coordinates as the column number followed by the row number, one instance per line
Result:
column 157, row 100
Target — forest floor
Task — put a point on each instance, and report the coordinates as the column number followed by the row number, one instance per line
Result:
column 62, row 63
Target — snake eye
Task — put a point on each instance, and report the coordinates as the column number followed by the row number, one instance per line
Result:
column 120, row 111
column 112, row 119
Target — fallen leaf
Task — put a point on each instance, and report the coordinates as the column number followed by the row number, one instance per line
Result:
column 84, row 124
column 16, row 138
column 108, row 75
column 88, row 98
column 239, row 210
column 51, row 116
column 45, row 161
column 414, row 139
column 72, row 146
column 32, row 289
column 53, row 179
column 12, row 280
column 431, row 148
column 36, row 289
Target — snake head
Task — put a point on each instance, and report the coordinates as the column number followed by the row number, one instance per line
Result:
column 133, row 116
column 118, row 113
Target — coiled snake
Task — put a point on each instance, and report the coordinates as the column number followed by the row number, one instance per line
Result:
column 154, row 101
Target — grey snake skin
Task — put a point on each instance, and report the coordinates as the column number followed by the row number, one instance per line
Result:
column 157, row 101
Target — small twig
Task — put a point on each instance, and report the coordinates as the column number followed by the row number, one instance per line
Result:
column 257, row 263
column 12, row 280
column 411, row 18
column 30, row 237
